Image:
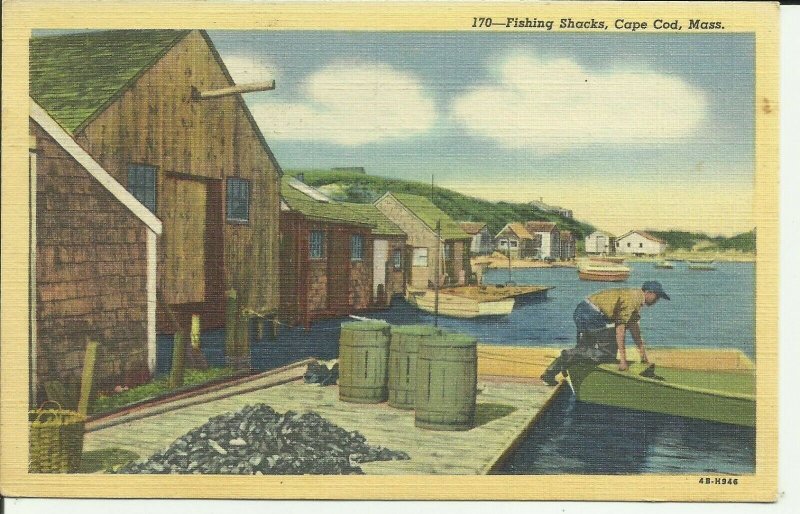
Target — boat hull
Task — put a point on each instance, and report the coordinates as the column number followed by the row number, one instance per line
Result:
column 604, row 276
column 458, row 307
column 719, row 396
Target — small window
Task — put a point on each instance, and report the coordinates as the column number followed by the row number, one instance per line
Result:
column 397, row 259
column 420, row 257
column 641, row 245
column 238, row 200
column 356, row 247
column 317, row 244
column 513, row 244
column 142, row 184
column 629, row 245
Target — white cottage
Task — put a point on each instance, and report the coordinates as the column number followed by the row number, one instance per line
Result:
column 599, row 242
column 639, row 242
column 551, row 238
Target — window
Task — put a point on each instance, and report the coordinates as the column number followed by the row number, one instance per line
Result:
column 317, row 244
column 238, row 200
column 420, row 257
column 503, row 243
column 142, row 184
column 640, row 245
column 397, row 258
column 513, row 244
column 356, row 247
column 629, row 245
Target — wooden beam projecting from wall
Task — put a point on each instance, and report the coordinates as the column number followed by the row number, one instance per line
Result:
column 233, row 90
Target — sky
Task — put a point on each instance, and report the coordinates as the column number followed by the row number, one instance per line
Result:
column 629, row 131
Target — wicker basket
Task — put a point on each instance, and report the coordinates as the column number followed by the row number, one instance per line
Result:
column 56, row 439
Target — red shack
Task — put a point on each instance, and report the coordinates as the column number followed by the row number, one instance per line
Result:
column 326, row 256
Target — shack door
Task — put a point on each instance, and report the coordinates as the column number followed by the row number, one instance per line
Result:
column 184, row 240
column 381, row 256
column 339, row 271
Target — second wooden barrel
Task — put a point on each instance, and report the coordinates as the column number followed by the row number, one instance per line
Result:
column 447, row 378
column 403, row 349
column 363, row 361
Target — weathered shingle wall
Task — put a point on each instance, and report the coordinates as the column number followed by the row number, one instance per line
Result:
column 90, row 275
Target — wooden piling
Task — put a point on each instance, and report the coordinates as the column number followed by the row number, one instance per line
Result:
column 87, row 377
column 242, row 353
column 178, row 358
column 231, row 311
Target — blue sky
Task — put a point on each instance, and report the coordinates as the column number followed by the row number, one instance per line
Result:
column 633, row 119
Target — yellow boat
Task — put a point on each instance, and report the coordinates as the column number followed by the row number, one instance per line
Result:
column 603, row 273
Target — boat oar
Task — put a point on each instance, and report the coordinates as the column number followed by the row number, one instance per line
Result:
column 569, row 382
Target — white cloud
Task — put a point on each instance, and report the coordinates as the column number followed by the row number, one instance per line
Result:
column 352, row 104
column 555, row 105
column 250, row 68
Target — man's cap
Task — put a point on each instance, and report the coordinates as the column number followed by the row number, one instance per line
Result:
column 654, row 286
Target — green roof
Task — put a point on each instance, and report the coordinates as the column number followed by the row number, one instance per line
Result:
column 383, row 226
column 75, row 76
column 425, row 210
column 315, row 209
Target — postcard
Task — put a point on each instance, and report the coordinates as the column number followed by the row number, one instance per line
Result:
column 390, row 250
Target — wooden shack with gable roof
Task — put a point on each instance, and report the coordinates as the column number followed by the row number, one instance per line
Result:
column 159, row 111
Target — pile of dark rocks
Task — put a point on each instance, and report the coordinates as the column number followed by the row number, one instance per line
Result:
column 259, row 441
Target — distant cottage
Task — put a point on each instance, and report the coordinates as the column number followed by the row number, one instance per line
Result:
column 158, row 111
column 515, row 240
column 567, row 245
column 599, row 242
column 481, row 237
column 639, row 242
column 551, row 238
column 417, row 217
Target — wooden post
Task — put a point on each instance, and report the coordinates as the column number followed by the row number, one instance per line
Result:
column 242, row 358
column 195, row 333
column 178, row 358
column 260, row 320
column 231, row 310
column 274, row 321
column 88, row 376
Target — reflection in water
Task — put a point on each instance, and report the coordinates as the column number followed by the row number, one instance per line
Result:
column 582, row 438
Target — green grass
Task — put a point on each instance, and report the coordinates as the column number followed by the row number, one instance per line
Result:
column 359, row 188
column 107, row 459
column 154, row 388
column 682, row 240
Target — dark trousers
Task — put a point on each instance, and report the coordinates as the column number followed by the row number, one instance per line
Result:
column 595, row 342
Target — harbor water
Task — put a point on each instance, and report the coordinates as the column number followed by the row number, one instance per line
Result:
column 709, row 309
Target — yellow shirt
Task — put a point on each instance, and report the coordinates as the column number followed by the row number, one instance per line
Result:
column 619, row 305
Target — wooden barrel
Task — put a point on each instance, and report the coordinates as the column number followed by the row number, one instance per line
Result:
column 403, row 350
column 447, row 377
column 363, row 359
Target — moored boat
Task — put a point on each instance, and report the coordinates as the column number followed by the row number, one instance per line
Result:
column 462, row 307
column 608, row 259
column 721, row 396
column 664, row 265
column 603, row 273
column 702, row 265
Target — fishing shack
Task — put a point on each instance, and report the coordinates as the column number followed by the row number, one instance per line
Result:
column 93, row 269
column 158, row 110
column 326, row 256
column 482, row 243
column 551, row 238
column 515, row 240
column 418, row 217
column 389, row 263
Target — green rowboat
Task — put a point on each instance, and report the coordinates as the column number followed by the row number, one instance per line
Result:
column 721, row 396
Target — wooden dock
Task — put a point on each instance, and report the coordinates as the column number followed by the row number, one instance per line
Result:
column 511, row 398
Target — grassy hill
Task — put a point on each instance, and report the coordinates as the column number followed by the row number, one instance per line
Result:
column 700, row 242
column 357, row 187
